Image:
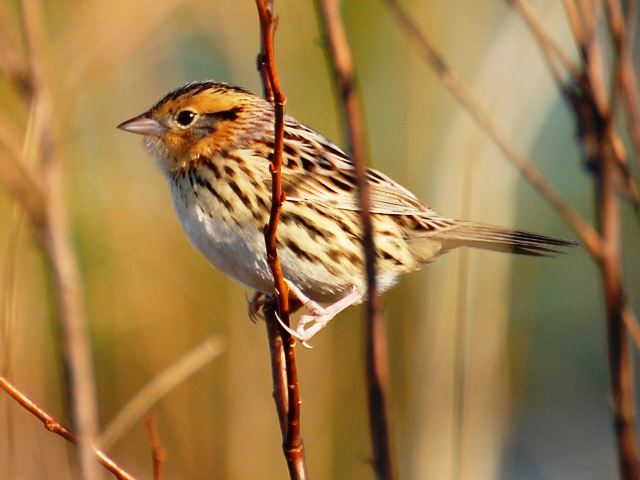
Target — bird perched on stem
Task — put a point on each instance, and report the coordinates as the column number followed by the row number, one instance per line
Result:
column 214, row 142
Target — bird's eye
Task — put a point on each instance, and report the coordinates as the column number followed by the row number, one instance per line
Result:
column 185, row 117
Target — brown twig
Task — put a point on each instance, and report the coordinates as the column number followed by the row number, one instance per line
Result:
column 622, row 34
column 575, row 21
column 620, row 362
column 595, row 116
column 631, row 322
column 29, row 200
column 20, row 181
column 576, row 85
column 158, row 453
column 292, row 445
column 606, row 161
column 536, row 179
column 64, row 267
column 278, row 365
column 8, row 295
column 277, row 195
column 339, row 54
column 54, row 426
column 554, row 55
column 11, row 65
column 158, row 387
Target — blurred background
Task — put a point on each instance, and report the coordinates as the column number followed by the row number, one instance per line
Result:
column 498, row 364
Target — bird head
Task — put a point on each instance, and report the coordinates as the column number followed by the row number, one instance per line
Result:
column 198, row 119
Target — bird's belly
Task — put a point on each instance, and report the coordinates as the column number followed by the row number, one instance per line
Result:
column 233, row 248
column 237, row 248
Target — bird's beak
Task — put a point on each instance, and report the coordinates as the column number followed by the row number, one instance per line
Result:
column 143, row 125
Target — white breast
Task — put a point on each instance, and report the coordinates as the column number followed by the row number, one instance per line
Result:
column 234, row 248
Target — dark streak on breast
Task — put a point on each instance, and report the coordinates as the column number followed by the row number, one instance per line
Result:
column 229, row 171
column 214, row 169
column 244, row 198
column 204, row 183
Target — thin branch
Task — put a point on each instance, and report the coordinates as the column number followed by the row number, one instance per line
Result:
column 63, row 262
column 593, row 65
column 536, row 179
column 31, row 203
column 278, row 365
column 339, row 54
column 158, row 453
column 292, row 445
column 54, row 426
column 20, row 181
column 622, row 34
column 272, row 85
column 575, row 21
column 631, row 322
column 607, row 182
column 8, row 289
column 172, row 376
column 620, row 360
column 574, row 89
column 553, row 53
column 605, row 157
column 11, row 65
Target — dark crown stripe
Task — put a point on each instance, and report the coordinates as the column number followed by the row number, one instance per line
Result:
column 193, row 88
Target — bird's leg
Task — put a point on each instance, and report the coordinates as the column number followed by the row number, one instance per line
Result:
column 309, row 325
column 257, row 302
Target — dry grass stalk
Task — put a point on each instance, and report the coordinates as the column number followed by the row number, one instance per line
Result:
column 376, row 361
column 176, row 373
column 158, row 453
column 56, row 427
column 45, row 204
column 484, row 119
column 584, row 87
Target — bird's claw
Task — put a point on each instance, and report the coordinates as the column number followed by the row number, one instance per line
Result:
column 299, row 333
column 256, row 305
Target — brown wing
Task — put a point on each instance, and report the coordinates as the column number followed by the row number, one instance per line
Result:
column 316, row 170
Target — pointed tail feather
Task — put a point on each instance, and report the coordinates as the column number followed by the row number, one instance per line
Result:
column 489, row 237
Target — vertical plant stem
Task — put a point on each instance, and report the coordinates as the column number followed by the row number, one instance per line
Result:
column 376, row 360
column 278, row 366
column 620, row 363
column 604, row 156
column 594, row 115
column 78, row 361
column 450, row 80
column 158, row 453
column 292, row 445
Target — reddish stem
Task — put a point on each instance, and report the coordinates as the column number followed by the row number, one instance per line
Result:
column 56, row 427
column 284, row 379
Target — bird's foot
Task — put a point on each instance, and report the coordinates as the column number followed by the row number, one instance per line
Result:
column 319, row 317
column 256, row 304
